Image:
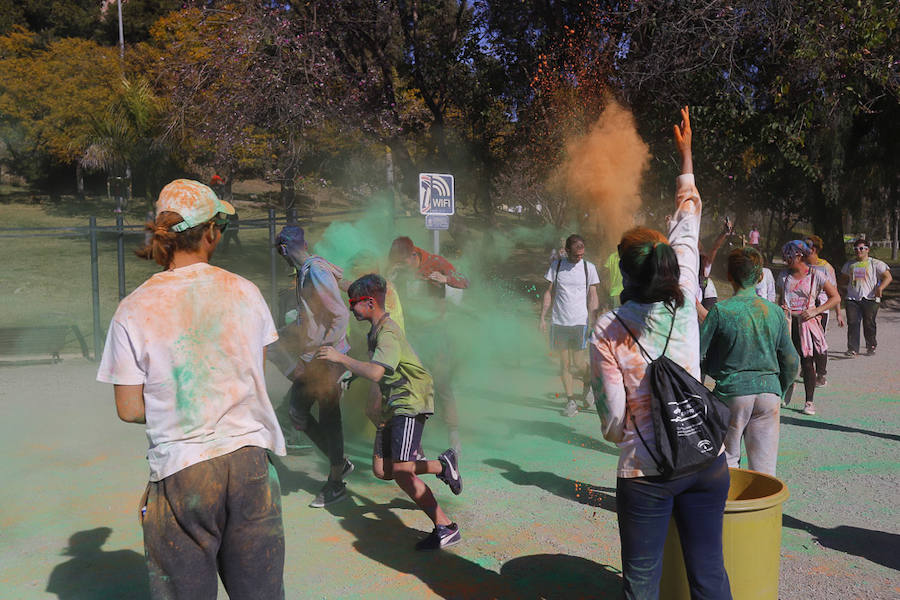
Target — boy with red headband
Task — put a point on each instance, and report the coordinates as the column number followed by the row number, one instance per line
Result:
column 406, row 402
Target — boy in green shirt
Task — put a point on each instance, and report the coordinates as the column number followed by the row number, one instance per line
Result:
column 407, row 400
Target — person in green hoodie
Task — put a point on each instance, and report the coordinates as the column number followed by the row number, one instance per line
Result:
column 748, row 350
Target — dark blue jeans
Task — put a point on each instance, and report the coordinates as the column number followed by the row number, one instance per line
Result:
column 697, row 501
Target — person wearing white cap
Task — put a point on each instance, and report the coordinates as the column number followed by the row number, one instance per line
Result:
column 185, row 354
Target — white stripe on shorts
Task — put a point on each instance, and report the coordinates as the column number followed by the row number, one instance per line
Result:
column 407, row 439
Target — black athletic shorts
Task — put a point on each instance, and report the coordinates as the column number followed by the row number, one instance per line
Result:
column 399, row 439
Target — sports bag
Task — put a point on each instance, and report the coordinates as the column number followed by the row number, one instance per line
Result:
column 689, row 421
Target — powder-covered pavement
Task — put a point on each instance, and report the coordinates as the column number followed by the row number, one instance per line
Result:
column 537, row 512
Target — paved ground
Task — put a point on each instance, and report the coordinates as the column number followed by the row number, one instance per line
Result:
column 538, row 510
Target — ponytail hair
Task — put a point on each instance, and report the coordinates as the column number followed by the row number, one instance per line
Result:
column 650, row 267
column 165, row 242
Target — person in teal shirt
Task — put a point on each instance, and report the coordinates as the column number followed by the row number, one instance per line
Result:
column 748, row 350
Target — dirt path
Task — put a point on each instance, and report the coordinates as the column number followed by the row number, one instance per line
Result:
column 537, row 511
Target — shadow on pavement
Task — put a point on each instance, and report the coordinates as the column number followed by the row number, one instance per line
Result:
column 835, row 427
column 877, row 546
column 560, row 576
column 383, row 537
column 549, row 403
column 92, row 574
column 558, row 432
column 569, row 489
column 296, row 481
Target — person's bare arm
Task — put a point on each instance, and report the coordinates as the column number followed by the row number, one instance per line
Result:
column 886, row 279
column 593, row 304
column 130, row 403
column 720, row 239
column 369, row 370
column 833, row 300
column 545, row 306
column 701, row 311
column 683, row 142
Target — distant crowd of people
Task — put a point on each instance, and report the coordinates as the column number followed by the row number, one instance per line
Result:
column 186, row 351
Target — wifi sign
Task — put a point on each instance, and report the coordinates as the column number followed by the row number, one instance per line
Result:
column 436, row 194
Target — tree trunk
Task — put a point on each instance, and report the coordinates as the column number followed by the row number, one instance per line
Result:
column 826, row 222
column 770, row 247
column 895, row 203
column 287, row 189
column 79, row 180
column 894, row 234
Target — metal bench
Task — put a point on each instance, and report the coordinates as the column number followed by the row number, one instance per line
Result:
column 31, row 345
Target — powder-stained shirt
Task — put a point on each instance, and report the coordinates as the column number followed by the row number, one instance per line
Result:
column 798, row 295
column 194, row 338
column 865, row 276
column 830, row 276
column 434, row 263
column 748, row 346
column 322, row 314
column 617, row 365
column 406, row 387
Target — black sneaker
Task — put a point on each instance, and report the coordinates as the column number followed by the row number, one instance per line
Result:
column 348, row 468
column 332, row 491
column 450, row 473
column 442, row 537
column 870, row 351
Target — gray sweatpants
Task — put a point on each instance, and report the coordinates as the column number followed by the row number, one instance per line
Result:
column 755, row 419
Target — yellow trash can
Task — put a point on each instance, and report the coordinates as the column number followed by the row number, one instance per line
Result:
column 751, row 536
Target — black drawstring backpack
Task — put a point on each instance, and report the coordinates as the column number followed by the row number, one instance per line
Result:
column 689, row 421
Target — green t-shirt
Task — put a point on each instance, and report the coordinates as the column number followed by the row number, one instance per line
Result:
column 406, row 388
column 748, row 347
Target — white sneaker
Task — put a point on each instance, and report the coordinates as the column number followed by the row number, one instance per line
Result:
column 570, row 410
column 809, row 409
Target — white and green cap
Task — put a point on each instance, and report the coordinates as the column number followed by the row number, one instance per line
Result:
column 194, row 202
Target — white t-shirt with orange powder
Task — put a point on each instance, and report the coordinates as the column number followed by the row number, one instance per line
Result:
column 194, row 338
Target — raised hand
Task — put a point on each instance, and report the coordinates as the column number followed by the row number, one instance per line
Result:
column 683, row 132
column 683, row 141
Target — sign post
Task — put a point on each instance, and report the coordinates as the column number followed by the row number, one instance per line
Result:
column 437, row 202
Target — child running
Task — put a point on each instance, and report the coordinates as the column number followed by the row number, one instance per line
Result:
column 407, row 400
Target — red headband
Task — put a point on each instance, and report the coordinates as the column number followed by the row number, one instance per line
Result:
column 360, row 299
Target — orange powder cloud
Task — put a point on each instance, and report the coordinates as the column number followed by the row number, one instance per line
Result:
column 604, row 168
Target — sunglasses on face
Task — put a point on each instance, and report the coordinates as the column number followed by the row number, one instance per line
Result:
column 358, row 299
column 861, row 248
column 221, row 222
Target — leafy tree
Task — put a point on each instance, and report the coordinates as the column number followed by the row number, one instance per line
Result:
column 52, row 19
column 126, row 136
column 54, row 94
column 138, row 17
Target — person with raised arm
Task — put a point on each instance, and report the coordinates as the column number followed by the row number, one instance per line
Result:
column 660, row 285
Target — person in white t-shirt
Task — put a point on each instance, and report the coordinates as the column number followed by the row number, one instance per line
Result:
column 185, row 354
column 766, row 287
column 572, row 294
column 867, row 279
